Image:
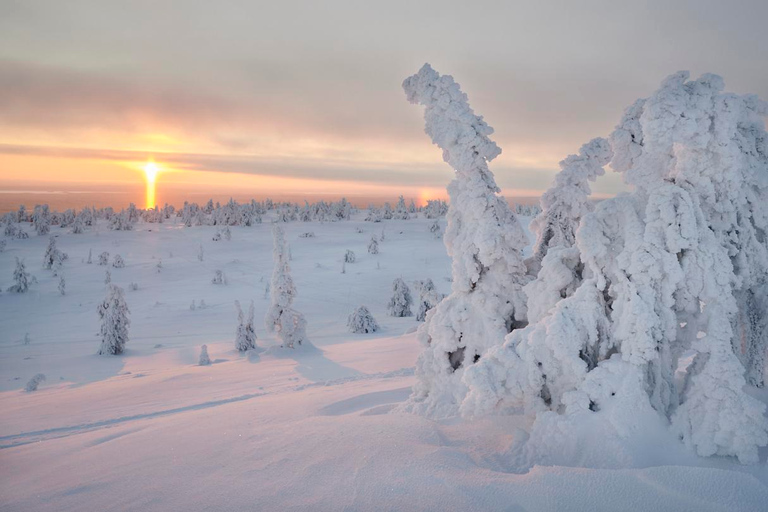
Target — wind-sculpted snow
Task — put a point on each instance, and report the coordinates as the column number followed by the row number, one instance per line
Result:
column 679, row 264
column 485, row 242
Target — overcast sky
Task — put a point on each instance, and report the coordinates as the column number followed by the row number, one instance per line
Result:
column 299, row 93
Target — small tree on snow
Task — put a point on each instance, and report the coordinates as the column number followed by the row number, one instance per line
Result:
column 373, row 245
column 349, row 257
column 62, row 286
column 219, row 278
column 400, row 303
column 159, row 266
column 245, row 338
column 200, row 253
column 104, row 259
column 204, row 359
column 281, row 318
column 428, row 299
column 22, row 279
column 34, row 382
column 113, row 312
column 118, row 261
column 90, row 257
column 361, row 321
column 52, row 254
column 107, row 277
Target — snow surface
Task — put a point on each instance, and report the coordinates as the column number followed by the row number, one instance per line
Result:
column 279, row 430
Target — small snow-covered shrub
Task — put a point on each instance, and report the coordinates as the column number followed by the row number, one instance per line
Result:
column 113, row 313
column 104, row 259
column 361, row 321
column 201, row 253
column 308, row 234
column 107, row 277
column 133, row 286
column 21, row 278
column 373, row 245
column 400, row 303
column 159, row 266
column 349, row 257
column 245, row 338
column 90, row 257
column 62, row 286
column 204, row 359
column 118, row 261
column 34, row 382
column 219, row 278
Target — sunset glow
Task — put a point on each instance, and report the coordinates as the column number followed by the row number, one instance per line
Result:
column 150, row 172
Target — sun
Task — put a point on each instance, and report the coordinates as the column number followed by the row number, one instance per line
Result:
column 150, row 172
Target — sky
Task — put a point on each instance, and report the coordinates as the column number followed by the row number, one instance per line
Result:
column 305, row 98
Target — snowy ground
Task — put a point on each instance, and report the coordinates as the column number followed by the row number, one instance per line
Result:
column 151, row 430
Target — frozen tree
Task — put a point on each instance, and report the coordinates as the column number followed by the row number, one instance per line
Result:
column 122, row 221
column 373, row 245
column 90, row 257
column 227, row 233
column 567, row 200
column 349, row 257
column 113, row 313
column 435, row 229
column 428, row 299
column 401, row 211
column 219, row 278
column 107, row 277
column 2, row 245
column 41, row 219
column 200, row 254
column 361, row 321
column 400, row 303
column 484, row 240
column 34, row 382
column 78, row 226
column 245, row 338
column 62, row 286
column 118, row 261
column 104, row 258
column 52, row 254
column 21, row 278
column 204, row 359
column 664, row 269
column 281, row 318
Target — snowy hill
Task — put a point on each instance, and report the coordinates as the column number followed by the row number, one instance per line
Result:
column 307, row 430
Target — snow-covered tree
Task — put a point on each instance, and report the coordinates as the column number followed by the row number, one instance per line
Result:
column 118, row 261
column 428, row 299
column 281, row 318
column 104, row 258
column 435, row 229
column 361, row 321
column 245, row 338
column 159, row 266
column 400, row 303
column 90, row 257
column 204, row 360
column 349, row 256
column 113, row 313
column 567, row 200
column 122, row 221
column 200, row 253
column 663, row 270
column 401, row 211
column 219, row 278
column 41, row 219
column 52, row 254
column 484, row 240
column 21, row 278
column 373, row 245
column 107, row 277
column 34, row 382
column 62, row 286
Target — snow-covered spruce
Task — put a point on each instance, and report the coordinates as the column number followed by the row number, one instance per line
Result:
column 113, row 313
column 89, row 261
column 201, row 253
column 34, row 382
column 484, row 240
column 53, row 255
column 62, row 286
column 349, row 256
column 245, row 338
column 118, row 261
column 661, row 265
column 400, row 303
column 281, row 318
column 361, row 321
column 107, row 277
column 204, row 360
column 567, row 200
column 21, row 278
column 428, row 299
column 219, row 277
column 373, row 245
column 104, row 258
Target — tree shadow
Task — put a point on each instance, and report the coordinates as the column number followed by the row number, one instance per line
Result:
column 312, row 364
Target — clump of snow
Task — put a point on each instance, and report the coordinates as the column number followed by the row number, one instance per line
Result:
column 34, row 382
column 204, row 359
